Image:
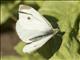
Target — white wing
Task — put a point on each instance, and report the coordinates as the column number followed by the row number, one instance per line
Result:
column 31, row 24
column 30, row 11
column 35, row 45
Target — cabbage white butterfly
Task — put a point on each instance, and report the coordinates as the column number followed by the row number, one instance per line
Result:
column 33, row 29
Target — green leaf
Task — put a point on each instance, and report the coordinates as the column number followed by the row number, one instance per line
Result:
column 66, row 13
column 6, row 11
column 4, row 14
column 19, row 48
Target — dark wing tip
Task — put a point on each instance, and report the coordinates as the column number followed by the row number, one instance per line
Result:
column 21, row 7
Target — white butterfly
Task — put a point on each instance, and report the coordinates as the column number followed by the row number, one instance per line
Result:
column 33, row 29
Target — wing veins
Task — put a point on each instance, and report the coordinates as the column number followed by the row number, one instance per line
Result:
column 41, row 36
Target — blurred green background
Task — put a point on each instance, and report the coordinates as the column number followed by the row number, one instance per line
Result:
column 62, row 14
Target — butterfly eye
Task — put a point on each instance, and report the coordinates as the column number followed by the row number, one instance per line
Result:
column 28, row 18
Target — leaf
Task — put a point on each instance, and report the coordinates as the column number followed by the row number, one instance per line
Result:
column 4, row 14
column 19, row 48
column 66, row 13
column 6, row 11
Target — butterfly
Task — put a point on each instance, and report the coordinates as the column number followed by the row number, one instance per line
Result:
column 33, row 29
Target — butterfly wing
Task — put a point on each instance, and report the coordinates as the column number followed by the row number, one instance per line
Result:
column 30, row 24
column 29, row 48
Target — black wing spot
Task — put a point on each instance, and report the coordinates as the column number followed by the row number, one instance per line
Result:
column 28, row 18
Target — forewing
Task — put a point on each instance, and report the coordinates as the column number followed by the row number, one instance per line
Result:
column 31, row 11
column 30, row 24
